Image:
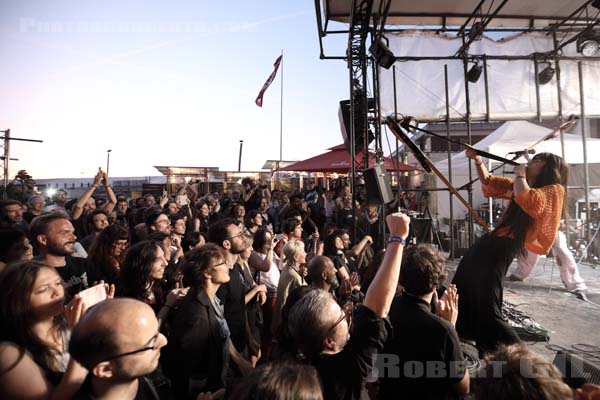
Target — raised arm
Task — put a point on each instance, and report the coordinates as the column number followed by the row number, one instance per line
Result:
column 482, row 172
column 381, row 291
column 112, row 199
column 78, row 207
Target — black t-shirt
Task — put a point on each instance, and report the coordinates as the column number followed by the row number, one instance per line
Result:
column 146, row 390
column 78, row 274
column 81, row 226
column 423, row 358
column 232, row 296
column 343, row 375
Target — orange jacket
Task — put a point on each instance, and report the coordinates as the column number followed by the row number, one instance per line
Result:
column 544, row 205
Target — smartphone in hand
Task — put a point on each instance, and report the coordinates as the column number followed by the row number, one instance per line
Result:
column 94, row 295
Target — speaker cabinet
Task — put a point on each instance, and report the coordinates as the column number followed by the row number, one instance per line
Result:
column 377, row 185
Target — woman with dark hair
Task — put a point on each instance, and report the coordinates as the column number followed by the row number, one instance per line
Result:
column 142, row 272
column 201, row 220
column 14, row 246
column 537, row 195
column 265, row 264
column 253, row 221
column 34, row 361
column 108, row 250
column 334, row 249
column 193, row 240
column 199, row 347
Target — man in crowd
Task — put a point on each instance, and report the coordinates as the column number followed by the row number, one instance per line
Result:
column 322, row 274
column 54, row 237
column 11, row 215
column 118, row 341
column 321, row 329
column 122, row 213
column 86, row 204
column 98, row 220
column 228, row 235
column 59, row 200
column 158, row 221
column 421, row 337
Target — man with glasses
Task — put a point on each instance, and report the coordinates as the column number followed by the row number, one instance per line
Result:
column 321, row 331
column 227, row 234
column 158, row 221
column 118, row 342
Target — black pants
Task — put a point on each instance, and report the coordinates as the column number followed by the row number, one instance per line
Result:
column 479, row 280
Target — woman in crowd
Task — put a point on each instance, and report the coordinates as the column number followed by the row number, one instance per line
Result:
column 14, row 246
column 199, row 347
column 201, row 220
column 108, row 250
column 537, row 195
column 334, row 249
column 253, row 221
column 34, row 361
column 142, row 274
column 265, row 263
column 292, row 276
column 255, row 297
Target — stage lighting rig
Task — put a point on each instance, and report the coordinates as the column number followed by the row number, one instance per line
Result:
column 588, row 43
column 546, row 74
column 382, row 54
column 474, row 73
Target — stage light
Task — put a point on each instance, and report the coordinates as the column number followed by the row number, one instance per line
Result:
column 588, row 44
column 382, row 54
column 474, row 73
column 546, row 75
column 476, row 32
column 50, row 192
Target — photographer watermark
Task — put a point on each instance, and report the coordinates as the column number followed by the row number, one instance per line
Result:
column 390, row 366
column 33, row 25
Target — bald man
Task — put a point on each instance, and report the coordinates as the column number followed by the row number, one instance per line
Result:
column 119, row 343
column 322, row 273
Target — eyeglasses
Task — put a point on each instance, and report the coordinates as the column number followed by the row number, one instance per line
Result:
column 236, row 236
column 153, row 340
column 345, row 316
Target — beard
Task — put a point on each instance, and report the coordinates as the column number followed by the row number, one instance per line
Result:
column 333, row 282
column 64, row 249
column 237, row 248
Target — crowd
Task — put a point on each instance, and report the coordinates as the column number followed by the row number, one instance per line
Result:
column 248, row 294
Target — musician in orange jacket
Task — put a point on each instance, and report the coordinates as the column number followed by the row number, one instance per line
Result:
column 538, row 194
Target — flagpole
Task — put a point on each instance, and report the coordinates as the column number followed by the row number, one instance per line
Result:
column 281, row 114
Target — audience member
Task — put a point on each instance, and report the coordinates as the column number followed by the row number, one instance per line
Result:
column 108, row 251
column 119, row 343
column 11, row 215
column 97, row 221
column 35, row 207
column 14, row 246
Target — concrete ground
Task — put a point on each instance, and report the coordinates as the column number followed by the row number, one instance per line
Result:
column 543, row 297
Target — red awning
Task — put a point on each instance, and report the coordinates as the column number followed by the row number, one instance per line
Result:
column 338, row 160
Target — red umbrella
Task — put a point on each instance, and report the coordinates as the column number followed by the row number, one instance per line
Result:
column 337, row 159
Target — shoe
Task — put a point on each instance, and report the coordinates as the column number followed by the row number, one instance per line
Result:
column 580, row 294
column 514, row 278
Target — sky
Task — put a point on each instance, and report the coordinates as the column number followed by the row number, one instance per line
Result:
column 164, row 83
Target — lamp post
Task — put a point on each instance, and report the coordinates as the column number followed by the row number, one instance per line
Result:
column 240, row 157
column 107, row 160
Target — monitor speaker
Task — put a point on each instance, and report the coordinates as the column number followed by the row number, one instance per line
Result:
column 576, row 370
column 377, row 185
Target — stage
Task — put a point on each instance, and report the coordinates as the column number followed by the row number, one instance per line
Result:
column 543, row 297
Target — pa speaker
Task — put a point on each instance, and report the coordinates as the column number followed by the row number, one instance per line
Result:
column 359, row 122
column 377, row 185
column 577, row 371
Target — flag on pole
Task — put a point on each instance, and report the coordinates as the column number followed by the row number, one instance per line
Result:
column 259, row 98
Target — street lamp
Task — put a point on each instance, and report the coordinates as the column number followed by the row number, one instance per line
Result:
column 107, row 161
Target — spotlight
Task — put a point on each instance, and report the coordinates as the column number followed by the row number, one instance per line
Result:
column 546, row 75
column 474, row 73
column 588, row 43
column 382, row 54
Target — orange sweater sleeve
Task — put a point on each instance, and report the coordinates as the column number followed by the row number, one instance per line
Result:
column 544, row 206
column 498, row 187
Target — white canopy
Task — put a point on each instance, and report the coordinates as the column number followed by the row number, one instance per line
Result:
column 430, row 12
column 511, row 136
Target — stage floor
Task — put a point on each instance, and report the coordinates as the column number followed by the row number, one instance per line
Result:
column 543, row 297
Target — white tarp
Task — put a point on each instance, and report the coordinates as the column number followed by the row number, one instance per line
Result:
column 420, row 84
column 512, row 136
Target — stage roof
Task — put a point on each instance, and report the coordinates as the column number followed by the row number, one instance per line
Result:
column 536, row 13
